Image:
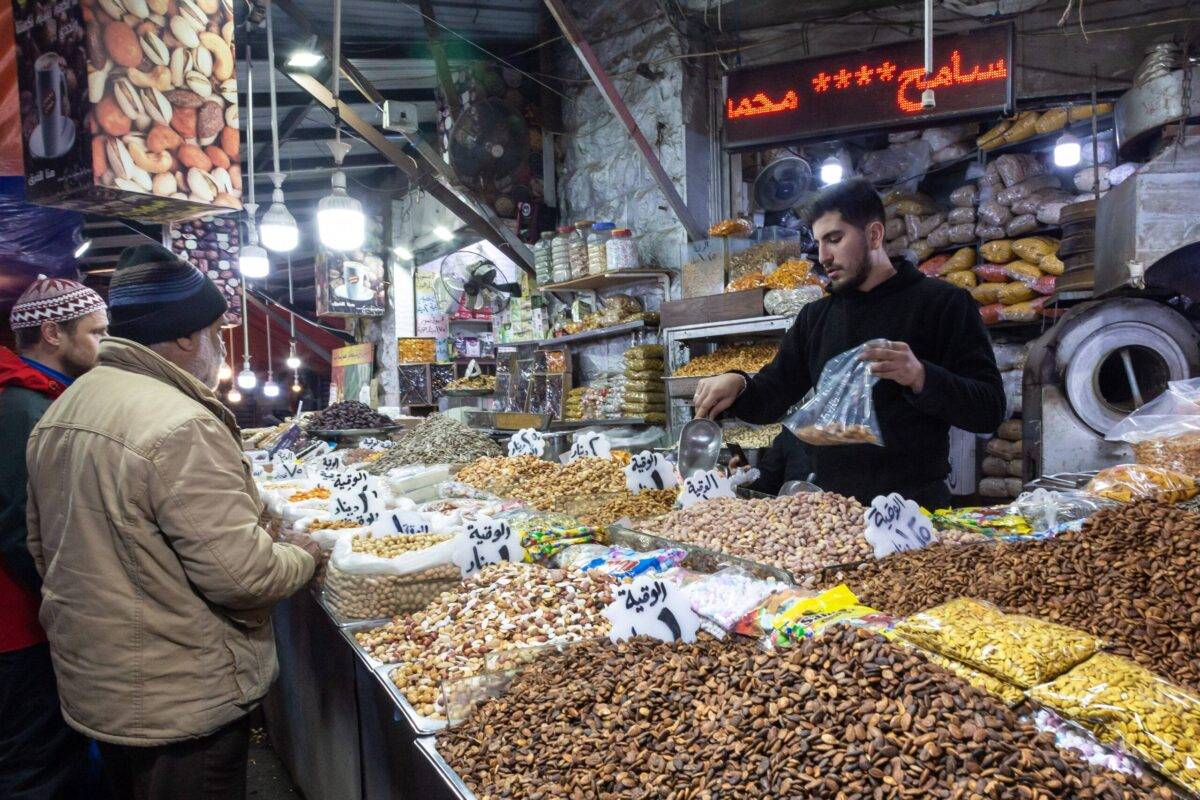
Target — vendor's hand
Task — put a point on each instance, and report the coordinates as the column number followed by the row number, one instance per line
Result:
column 896, row 361
column 736, row 462
column 306, row 544
column 715, row 394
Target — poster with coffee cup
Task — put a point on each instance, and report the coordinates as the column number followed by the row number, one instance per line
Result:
column 350, row 285
column 129, row 107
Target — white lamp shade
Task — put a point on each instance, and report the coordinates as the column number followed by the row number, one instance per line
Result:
column 254, row 262
column 234, row 395
column 832, row 171
column 293, row 361
column 270, row 389
column 1067, row 151
column 247, row 379
column 340, row 221
column 224, row 372
column 278, row 229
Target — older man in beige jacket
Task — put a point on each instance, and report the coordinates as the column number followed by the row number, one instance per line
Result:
column 143, row 520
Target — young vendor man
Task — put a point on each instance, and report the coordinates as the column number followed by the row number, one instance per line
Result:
column 936, row 364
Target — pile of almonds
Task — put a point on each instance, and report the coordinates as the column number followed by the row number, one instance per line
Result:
column 1131, row 577
column 845, row 715
column 505, row 606
column 801, row 533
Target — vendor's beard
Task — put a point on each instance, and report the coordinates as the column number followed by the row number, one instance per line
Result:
column 853, row 277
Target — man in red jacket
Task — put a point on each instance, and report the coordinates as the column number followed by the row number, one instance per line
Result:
column 58, row 324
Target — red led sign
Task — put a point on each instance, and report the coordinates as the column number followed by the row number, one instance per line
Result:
column 875, row 88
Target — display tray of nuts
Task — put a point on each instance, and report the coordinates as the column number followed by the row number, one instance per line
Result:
column 699, row 559
column 420, row 724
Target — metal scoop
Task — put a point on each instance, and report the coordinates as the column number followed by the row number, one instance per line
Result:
column 699, row 447
column 797, row 487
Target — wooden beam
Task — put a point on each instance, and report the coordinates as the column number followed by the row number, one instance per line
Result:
column 440, row 62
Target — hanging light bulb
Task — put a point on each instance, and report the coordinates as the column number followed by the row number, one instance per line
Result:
column 234, row 395
column 270, row 388
column 279, row 231
column 246, row 378
column 1067, row 150
column 296, row 387
column 832, row 171
column 340, row 220
column 443, row 233
column 293, row 360
column 224, row 372
column 253, row 261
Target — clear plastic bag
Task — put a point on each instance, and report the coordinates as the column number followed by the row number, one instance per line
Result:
column 842, row 411
column 1166, row 431
column 1047, row 510
column 1126, row 483
column 1021, row 650
column 1126, row 705
column 726, row 595
column 788, row 302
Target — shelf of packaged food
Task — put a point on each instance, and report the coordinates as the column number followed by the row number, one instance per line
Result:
column 607, row 280
column 1044, row 230
column 624, row 329
column 572, row 424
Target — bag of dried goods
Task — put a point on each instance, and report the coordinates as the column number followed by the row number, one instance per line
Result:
column 842, row 411
column 1014, row 168
column 939, row 238
column 1034, row 248
column 808, row 617
column 964, row 279
column 987, row 293
column 1125, row 704
column 1010, row 694
column 646, row 351
column 963, row 258
column 896, row 247
column 965, row 196
column 727, row 595
column 1166, row 431
column 1018, row 226
column 999, row 252
column 916, row 203
column 1085, row 179
column 1003, row 448
column 1078, row 113
column 1027, row 188
column 1021, row 270
column 921, row 227
column 991, row 273
column 933, row 266
column 1026, row 311
column 953, row 152
column 1021, row 650
column 961, row 234
column 788, row 302
column 992, row 212
column 948, row 135
column 1016, row 292
column 893, row 229
column 1022, row 128
column 1052, row 120
column 1126, row 483
column 751, row 280
column 920, row 250
column 372, row 577
column 961, row 216
column 987, row 233
column 994, row 136
column 995, row 467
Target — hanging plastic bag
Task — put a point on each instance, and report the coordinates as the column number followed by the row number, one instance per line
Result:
column 1166, row 431
column 842, row 411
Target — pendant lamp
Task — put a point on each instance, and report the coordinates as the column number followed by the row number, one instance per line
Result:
column 254, row 262
column 278, row 229
column 340, row 221
column 270, row 388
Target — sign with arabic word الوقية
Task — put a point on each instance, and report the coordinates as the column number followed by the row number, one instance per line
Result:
column 648, row 470
column 702, row 486
column 650, row 606
column 895, row 525
column 486, row 541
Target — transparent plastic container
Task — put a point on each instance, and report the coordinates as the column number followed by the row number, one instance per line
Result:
column 578, row 247
column 543, row 258
column 560, row 254
column 597, row 247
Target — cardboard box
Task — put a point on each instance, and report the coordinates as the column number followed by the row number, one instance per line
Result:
column 129, row 108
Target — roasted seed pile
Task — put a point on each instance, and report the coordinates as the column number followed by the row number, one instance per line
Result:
column 544, row 484
column 644, row 505
column 845, row 715
column 437, row 440
column 1131, row 577
column 800, row 533
column 504, row 606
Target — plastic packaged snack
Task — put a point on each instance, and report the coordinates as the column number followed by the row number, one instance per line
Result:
column 963, row 258
column 991, row 273
column 987, row 293
column 1026, row 223
column 965, row 196
column 1128, row 482
column 939, row 238
column 1016, row 292
column 1051, row 120
column 1021, row 270
column 1046, row 510
column 1022, row 127
column 788, row 302
column 1014, row 168
column 1033, row 248
column 998, row 252
column 961, row 216
column 1018, row 649
column 842, row 411
column 933, row 266
column 961, row 234
column 1010, row 694
column 1166, row 431
column 921, row 227
column 1026, row 311
column 893, row 229
column 807, row 617
column 726, row 595
column 1026, row 188
column 989, row 232
column 963, row 278
column 646, row 350
column 760, row 620
column 994, row 136
column 996, row 521
column 623, row 562
column 577, row 555
column 1126, row 705
column 992, row 212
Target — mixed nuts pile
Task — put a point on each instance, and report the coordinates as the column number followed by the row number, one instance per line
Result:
column 845, row 715
column 164, row 95
column 543, row 484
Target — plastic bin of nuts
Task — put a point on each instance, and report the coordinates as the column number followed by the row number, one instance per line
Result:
column 1129, row 706
column 379, row 577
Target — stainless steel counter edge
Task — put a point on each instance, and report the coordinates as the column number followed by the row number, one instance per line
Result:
column 427, row 746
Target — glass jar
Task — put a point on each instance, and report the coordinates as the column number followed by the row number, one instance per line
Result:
column 622, row 251
column 543, row 258
column 598, row 247
column 560, row 254
column 578, row 246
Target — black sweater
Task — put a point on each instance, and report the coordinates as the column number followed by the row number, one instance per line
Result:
column 941, row 324
column 787, row 459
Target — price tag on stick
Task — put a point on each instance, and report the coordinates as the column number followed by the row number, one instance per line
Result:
column 702, row 486
column 895, row 525
column 651, row 607
column 285, row 465
column 362, row 504
column 527, row 442
column 486, row 541
column 649, row 470
column 589, row 444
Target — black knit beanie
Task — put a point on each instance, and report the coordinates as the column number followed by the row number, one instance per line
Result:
column 155, row 296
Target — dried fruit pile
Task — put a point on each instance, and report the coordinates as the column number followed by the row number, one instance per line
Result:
column 1131, row 577
column 845, row 715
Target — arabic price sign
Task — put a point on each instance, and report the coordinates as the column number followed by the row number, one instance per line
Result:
column 330, row 461
column 895, row 525
column 651, row 607
column 649, row 470
column 362, row 504
column 705, row 486
column 371, row 443
column 285, row 465
column 486, row 541
column 527, row 442
column 589, row 444
column 875, row 88
column 392, row 523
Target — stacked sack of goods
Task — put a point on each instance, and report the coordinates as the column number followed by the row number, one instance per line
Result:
column 1017, row 278
column 1002, row 467
column 1028, row 124
column 644, row 393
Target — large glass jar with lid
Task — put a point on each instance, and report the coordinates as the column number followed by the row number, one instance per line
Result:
column 560, row 254
column 543, row 258
column 578, row 248
column 622, row 251
column 597, row 246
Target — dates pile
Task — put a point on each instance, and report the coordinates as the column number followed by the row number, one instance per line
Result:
column 347, row 415
column 1131, row 576
column 845, row 715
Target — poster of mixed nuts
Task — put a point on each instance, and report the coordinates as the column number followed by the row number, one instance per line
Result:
column 134, row 106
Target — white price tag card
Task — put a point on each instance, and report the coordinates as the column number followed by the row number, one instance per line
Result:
column 702, row 486
column 589, row 444
column 330, row 461
column 285, row 465
column 651, row 607
column 362, row 504
column 649, row 470
column 351, row 480
column 527, row 442
column 486, row 541
column 895, row 525
column 371, row 443
column 393, row 523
